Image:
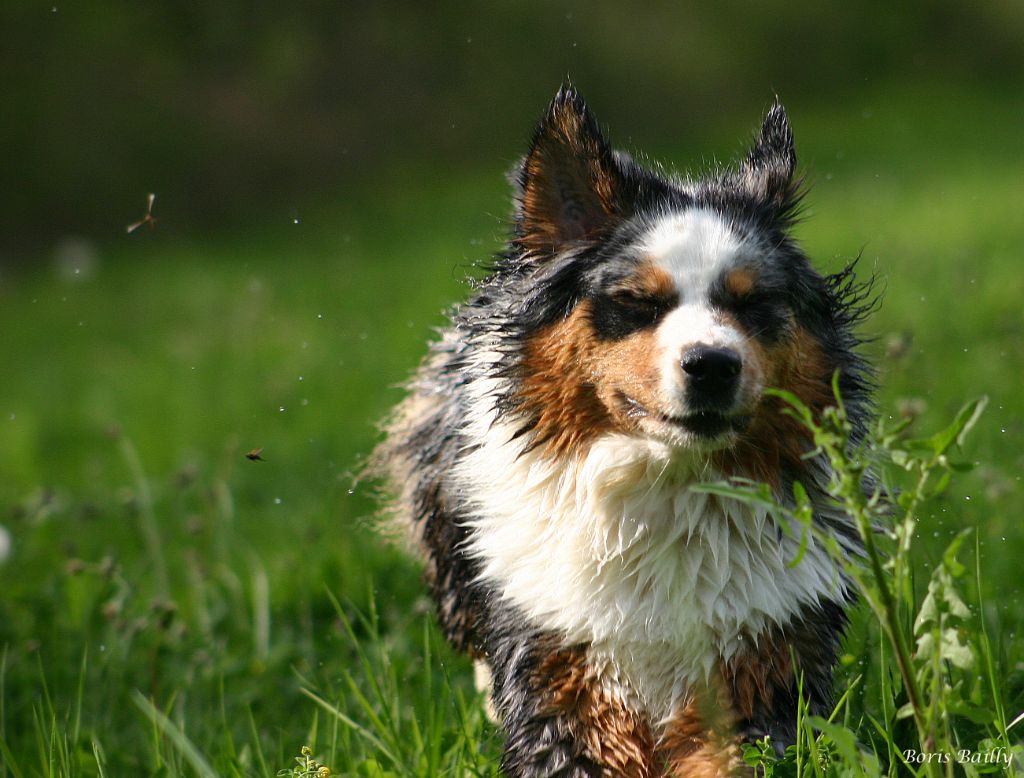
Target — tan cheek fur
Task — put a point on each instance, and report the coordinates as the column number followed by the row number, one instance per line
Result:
column 571, row 379
column 774, row 439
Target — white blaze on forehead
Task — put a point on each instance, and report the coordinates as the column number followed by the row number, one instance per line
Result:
column 693, row 247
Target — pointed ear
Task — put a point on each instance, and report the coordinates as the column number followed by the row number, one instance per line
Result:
column 768, row 169
column 568, row 186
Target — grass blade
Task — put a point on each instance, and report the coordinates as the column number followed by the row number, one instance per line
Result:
column 355, row 726
column 177, row 738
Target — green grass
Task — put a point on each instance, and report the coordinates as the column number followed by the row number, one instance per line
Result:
column 171, row 607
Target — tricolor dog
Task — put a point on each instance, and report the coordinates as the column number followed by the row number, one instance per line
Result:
column 616, row 354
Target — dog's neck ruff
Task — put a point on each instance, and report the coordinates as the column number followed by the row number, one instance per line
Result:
column 612, row 549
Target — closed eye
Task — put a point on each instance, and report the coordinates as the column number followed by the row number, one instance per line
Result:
column 621, row 312
column 763, row 313
column 633, row 299
column 756, row 298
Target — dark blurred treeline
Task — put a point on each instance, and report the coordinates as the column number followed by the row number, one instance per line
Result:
column 233, row 110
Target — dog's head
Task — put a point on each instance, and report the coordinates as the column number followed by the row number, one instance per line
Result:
column 663, row 307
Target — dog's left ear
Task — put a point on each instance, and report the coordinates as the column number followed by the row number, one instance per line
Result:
column 568, row 187
column 771, row 162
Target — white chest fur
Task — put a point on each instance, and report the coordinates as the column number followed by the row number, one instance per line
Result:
column 614, row 550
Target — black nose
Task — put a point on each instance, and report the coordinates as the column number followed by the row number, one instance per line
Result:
column 712, row 373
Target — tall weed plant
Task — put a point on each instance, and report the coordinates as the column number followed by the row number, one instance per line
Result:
column 936, row 659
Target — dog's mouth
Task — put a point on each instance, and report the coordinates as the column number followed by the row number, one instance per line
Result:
column 703, row 424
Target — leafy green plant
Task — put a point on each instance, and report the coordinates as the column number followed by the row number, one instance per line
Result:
column 931, row 651
column 307, row 767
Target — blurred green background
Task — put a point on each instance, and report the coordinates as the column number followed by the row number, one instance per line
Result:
column 327, row 175
column 237, row 111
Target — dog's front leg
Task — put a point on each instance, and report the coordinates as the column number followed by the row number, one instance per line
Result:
column 561, row 721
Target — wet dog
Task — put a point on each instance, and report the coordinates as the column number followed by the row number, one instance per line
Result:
column 617, row 353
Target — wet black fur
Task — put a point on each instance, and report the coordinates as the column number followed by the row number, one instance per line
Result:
column 525, row 291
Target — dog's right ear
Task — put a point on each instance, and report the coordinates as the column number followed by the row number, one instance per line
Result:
column 568, row 186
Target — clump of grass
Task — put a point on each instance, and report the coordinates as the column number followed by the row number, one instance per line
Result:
column 449, row 736
column 936, row 664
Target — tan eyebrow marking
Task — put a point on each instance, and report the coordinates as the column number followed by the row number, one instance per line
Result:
column 649, row 280
column 740, row 281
